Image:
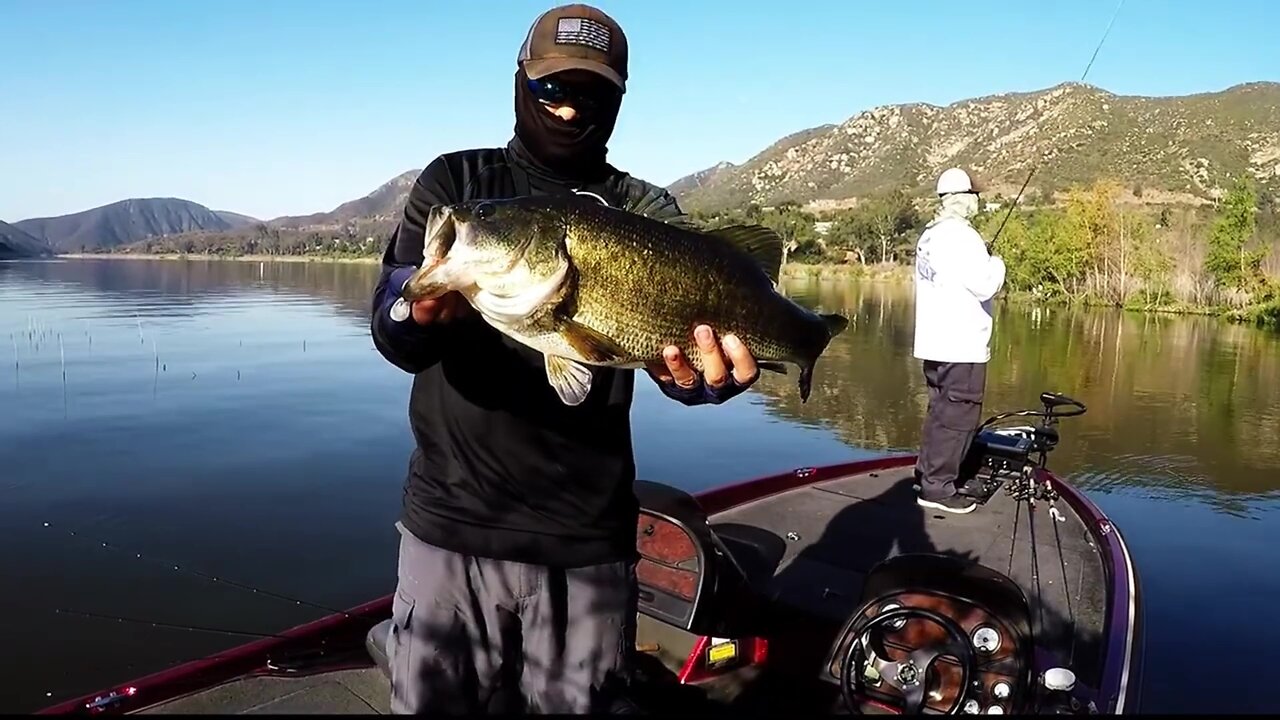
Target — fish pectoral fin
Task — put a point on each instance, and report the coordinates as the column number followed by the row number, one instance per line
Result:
column 591, row 344
column 433, row 280
column 762, row 244
column 571, row 380
column 777, row 367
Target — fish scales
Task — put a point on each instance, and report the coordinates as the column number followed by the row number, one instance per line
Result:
column 647, row 288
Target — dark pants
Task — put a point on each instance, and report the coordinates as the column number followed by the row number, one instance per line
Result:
column 474, row 635
column 955, row 409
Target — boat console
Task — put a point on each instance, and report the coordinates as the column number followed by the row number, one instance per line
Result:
column 687, row 576
column 938, row 633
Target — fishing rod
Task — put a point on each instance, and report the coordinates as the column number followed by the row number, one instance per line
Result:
column 180, row 568
column 1035, row 164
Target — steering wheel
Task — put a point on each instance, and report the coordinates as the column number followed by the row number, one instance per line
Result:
column 1053, row 401
column 908, row 676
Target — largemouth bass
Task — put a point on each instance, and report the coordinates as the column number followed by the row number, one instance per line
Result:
column 587, row 284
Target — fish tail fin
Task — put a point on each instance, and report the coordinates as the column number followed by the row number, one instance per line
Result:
column 834, row 324
column 806, row 380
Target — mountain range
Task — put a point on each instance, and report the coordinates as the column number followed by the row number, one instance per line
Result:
column 126, row 221
column 16, row 243
column 1178, row 150
column 1172, row 150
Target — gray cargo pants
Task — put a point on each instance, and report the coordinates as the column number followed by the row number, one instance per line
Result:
column 473, row 635
column 955, row 408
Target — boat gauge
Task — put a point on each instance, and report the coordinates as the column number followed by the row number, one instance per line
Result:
column 971, row 707
column 995, row 710
column 895, row 624
column 986, row 639
column 1001, row 690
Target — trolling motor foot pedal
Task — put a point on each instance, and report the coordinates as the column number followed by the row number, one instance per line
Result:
column 980, row 488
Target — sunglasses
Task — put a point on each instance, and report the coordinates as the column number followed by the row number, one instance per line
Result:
column 582, row 96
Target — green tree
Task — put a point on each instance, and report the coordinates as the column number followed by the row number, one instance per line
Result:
column 1229, row 261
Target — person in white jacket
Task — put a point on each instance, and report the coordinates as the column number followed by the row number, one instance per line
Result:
column 955, row 281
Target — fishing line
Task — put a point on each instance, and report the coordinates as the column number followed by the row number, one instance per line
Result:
column 1035, row 165
column 206, row 576
column 170, row 626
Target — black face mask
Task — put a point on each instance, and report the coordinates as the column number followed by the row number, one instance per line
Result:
column 570, row 149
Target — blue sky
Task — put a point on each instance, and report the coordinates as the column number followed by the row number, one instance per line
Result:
column 272, row 107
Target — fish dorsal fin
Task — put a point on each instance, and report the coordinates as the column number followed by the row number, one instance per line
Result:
column 758, row 241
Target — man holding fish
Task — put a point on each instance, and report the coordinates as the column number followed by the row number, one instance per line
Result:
column 516, row 570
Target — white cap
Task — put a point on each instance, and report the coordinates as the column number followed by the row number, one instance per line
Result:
column 1059, row 679
column 955, row 180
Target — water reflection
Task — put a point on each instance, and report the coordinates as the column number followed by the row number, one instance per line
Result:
column 234, row 417
column 1183, row 405
column 179, row 286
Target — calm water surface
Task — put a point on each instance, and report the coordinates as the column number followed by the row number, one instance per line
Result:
column 234, row 419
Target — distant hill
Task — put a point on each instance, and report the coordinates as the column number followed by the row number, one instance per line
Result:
column 15, row 243
column 1183, row 149
column 124, row 222
column 380, row 206
column 357, row 227
column 236, row 220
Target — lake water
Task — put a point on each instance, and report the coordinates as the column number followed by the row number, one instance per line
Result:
column 234, row 419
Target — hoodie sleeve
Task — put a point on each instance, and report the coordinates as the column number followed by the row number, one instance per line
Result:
column 982, row 273
column 404, row 343
column 655, row 202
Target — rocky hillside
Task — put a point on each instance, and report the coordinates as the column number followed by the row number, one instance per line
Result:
column 15, row 243
column 380, row 206
column 1183, row 149
column 126, row 221
column 236, row 220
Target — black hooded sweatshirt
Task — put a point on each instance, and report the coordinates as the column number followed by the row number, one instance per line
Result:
column 502, row 468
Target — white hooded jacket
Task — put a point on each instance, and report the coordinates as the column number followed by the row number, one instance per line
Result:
column 955, row 281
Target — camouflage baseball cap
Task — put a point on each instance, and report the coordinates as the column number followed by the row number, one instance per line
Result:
column 575, row 37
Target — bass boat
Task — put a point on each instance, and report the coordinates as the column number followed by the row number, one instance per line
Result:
column 825, row 589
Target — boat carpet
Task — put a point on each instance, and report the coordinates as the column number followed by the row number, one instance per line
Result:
column 362, row 691
column 827, row 536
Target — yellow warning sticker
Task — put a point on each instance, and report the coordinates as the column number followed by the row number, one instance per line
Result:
column 723, row 652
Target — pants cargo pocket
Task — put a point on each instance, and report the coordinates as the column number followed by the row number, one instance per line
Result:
column 962, row 410
column 400, row 649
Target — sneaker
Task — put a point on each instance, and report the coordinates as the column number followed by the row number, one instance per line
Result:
column 958, row 504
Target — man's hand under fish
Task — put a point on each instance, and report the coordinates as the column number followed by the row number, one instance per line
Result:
column 718, row 360
column 447, row 307
column 729, row 356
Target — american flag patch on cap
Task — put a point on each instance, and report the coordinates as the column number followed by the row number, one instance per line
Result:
column 582, row 31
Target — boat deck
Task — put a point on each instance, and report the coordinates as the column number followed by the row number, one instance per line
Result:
column 346, row 692
column 808, row 550
column 840, row 529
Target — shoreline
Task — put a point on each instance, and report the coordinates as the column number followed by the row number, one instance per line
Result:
column 894, row 274
column 1260, row 316
column 370, row 260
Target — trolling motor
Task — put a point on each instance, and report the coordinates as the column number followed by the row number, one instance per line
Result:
column 1008, row 456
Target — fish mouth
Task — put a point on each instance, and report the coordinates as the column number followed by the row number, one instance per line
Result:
column 441, row 233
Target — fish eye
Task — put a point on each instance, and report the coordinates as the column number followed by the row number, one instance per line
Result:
column 484, row 210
